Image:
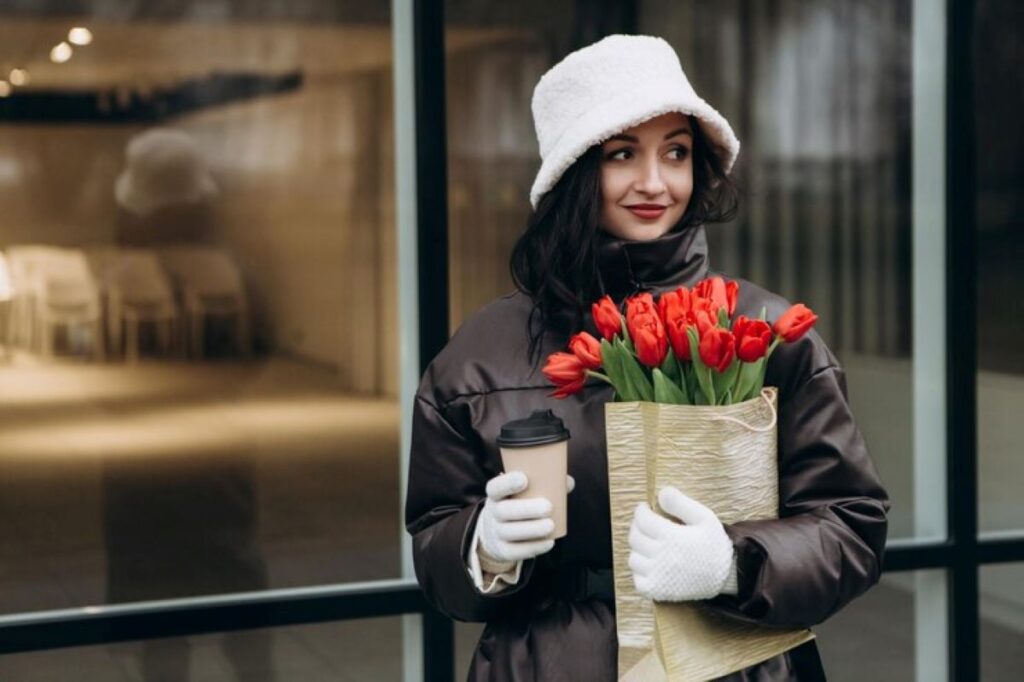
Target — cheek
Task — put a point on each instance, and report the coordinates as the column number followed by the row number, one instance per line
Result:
column 681, row 186
column 611, row 184
column 682, row 182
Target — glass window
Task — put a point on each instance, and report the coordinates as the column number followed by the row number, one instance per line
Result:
column 199, row 391
column 876, row 636
column 1002, row 622
column 1000, row 243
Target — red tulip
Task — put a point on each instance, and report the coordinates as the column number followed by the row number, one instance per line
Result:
column 795, row 322
column 607, row 317
column 567, row 372
column 723, row 294
column 732, row 293
column 752, row 338
column 641, row 304
column 650, row 345
column 646, row 329
column 678, row 338
column 716, row 349
column 567, row 390
column 587, row 349
column 674, row 306
column 704, row 315
column 672, row 303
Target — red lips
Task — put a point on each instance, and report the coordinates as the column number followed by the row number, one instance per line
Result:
column 647, row 211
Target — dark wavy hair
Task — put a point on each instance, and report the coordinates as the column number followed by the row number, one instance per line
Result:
column 555, row 262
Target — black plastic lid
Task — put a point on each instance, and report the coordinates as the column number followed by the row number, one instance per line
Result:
column 539, row 428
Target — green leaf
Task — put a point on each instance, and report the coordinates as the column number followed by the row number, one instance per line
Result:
column 681, row 380
column 745, row 380
column 726, row 379
column 625, row 334
column 727, row 398
column 723, row 318
column 764, row 311
column 612, row 362
column 670, row 367
column 665, row 391
column 759, row 383
column 635, row 375
column 692, row 385
column 638, row 380
column 700, row 369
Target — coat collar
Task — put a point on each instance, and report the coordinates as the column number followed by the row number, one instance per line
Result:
column 626, row 267
column 677, row 258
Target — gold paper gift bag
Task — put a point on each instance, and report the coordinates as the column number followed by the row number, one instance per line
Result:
column 725, row 457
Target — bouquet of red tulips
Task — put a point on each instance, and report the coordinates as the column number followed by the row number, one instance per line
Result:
column 690, row 410
column 684, row 349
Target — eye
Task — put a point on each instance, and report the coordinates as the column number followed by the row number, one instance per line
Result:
column 682, row 151
column 615, row 154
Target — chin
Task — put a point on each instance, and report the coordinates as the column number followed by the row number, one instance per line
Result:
column 642, row 232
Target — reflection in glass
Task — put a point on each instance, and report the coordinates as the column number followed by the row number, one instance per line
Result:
column 199, row 383
column 1002, row 622
column 874, row 636
column 1000, row 240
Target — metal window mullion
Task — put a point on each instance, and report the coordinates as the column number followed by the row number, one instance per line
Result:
column 201, row 615
column 961, row 326
column 432, row 254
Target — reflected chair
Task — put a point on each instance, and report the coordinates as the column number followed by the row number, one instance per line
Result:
column 25, row 262
column 138, row 291
column 208, row 284
column 67, row 295
column 5, row 306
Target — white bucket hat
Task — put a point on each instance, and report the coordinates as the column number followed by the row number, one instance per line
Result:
column 606, row 87
column 163, row 166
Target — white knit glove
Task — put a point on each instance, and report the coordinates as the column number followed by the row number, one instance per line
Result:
column 514, row 530
column 684, row 561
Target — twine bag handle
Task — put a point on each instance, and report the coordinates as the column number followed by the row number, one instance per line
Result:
column 766, row 394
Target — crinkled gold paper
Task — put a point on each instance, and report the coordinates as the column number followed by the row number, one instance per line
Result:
column 727, row 467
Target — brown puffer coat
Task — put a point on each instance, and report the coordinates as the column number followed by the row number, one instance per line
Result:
column 823, row 551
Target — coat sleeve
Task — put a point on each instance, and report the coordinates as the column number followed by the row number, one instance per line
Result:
column 446, row 491
column 826, row 547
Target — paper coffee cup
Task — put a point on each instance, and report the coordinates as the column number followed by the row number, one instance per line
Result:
column 539, row 446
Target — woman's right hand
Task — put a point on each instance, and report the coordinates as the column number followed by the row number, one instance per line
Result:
column 514, row 529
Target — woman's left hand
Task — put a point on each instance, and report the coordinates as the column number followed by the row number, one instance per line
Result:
column 683, row 561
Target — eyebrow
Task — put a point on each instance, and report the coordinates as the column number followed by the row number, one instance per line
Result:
column 630, row 138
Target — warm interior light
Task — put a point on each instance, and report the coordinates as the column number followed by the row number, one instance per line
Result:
column 19, row 77
column 80, row 35
column 5, row 278
column 60, row 53
column 5, row 88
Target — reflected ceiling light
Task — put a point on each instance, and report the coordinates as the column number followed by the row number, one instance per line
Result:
column 5, row 88
column 80, row 35
column 60, row 53
column 19, row 77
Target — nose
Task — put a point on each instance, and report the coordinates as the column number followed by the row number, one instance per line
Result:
column 649, row 180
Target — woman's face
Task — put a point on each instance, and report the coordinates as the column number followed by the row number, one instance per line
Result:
column 647, row 177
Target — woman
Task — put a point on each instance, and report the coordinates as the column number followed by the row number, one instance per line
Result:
column 634, row 165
